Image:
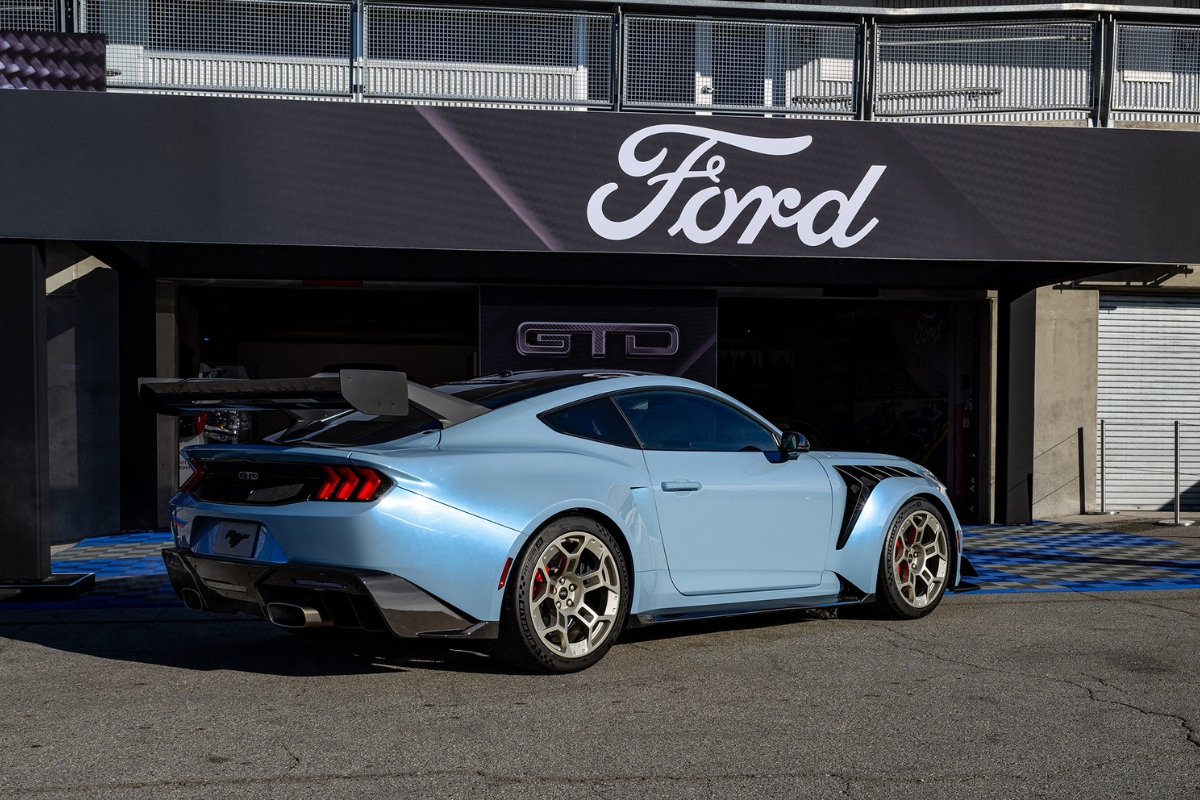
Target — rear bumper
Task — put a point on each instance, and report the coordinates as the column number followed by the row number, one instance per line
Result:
column 353, row 599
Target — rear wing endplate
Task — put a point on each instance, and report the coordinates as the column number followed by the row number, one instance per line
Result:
column 369, row 391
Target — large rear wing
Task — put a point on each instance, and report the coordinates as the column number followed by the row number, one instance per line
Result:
column 369, row 391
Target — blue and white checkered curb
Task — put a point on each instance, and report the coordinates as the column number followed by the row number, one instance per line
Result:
column 1044, row 557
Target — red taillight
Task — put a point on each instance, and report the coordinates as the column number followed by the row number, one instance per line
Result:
column 350, row 480
column 331, row 482
column 348, row 483
column 370, row 482
column 194, row 480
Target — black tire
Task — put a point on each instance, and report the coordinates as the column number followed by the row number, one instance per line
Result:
column 519, row 641
column 894, row 598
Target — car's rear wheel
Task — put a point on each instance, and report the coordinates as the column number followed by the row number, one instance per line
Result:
column 569, row 600
column 915, row 566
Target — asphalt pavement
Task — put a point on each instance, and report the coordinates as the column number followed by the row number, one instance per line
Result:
column 1006, row 695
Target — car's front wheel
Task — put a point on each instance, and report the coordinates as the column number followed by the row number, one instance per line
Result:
column 916, row 563
column 569, row 600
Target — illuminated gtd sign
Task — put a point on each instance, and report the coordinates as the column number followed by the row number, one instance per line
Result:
column 783, row 208
column 554, row 338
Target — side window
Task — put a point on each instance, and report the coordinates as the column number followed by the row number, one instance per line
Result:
column 596, row 419
column 672, row 420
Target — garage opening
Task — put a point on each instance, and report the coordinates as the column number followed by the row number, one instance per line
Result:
column 897, row 377
column 292, row 329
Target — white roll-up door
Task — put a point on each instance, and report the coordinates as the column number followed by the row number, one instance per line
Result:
column 1149, row 376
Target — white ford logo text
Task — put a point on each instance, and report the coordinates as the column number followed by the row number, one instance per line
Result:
column 773, row 206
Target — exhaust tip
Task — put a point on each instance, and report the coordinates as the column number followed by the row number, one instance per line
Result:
column 288, row 615
column 192, row 599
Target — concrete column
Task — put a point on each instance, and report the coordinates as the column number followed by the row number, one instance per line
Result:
column 1064, row 441
column 24, row 433
column 82, row 359
column 1015, row 375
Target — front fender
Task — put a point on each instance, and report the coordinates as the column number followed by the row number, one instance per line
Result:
column 858, row 561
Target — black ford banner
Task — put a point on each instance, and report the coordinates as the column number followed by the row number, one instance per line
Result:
column 214, row 170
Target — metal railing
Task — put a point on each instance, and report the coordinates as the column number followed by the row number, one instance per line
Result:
column 28, row 15
column 461, row 54
column 983, row 68
column 1156, row 76
column 736, row 65
column 261, row 46
column 386, row 51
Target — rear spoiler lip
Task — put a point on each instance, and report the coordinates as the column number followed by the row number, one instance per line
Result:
column 375, row 392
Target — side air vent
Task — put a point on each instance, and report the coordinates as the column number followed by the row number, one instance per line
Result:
column 860, row 482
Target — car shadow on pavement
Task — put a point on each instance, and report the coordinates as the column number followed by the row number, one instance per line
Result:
column 243, row 644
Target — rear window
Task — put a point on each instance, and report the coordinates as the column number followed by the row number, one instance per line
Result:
column 362, row 429
column 598, row 420
column 502, row 393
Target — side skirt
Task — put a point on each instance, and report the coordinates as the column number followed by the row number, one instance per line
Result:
column 847, row 597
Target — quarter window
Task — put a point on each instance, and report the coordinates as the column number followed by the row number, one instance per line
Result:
column 596, row 419
column 673, row 420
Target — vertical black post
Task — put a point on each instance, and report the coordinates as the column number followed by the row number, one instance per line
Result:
column 24, row 427
column 1015, row 363
column 139, row 426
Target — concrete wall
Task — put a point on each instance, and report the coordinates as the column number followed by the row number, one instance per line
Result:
column 81, row 359
column 1064, row 437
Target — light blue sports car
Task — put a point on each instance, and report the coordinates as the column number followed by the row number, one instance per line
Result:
column 545, row 511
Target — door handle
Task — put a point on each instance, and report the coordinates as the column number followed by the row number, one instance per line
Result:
column 680, row 486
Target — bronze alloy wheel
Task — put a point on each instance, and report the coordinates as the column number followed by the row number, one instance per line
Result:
column 570, row 598
column 916, row 564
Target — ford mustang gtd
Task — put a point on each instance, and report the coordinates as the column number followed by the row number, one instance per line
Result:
column 545, row 511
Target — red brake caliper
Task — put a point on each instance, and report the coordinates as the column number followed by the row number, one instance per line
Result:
column 539, row 583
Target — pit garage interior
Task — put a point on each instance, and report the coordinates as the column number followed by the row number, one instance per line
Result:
column 908, row 370
column 940, row 335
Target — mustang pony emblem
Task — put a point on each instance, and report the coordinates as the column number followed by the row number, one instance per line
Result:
column 771, row 204
column 235, row 538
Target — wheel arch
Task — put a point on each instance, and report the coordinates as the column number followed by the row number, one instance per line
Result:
column 598, row 516
column 858, row 561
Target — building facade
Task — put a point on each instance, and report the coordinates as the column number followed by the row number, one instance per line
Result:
column 274, row 187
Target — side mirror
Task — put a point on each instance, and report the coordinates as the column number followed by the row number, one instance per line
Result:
column 791, row 445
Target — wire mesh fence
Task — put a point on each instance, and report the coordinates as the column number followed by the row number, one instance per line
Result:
column 493, row 56
column 262, row 46
column 925, row 70
column 27, row 15
column 735, row 65
column 1157, row 68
